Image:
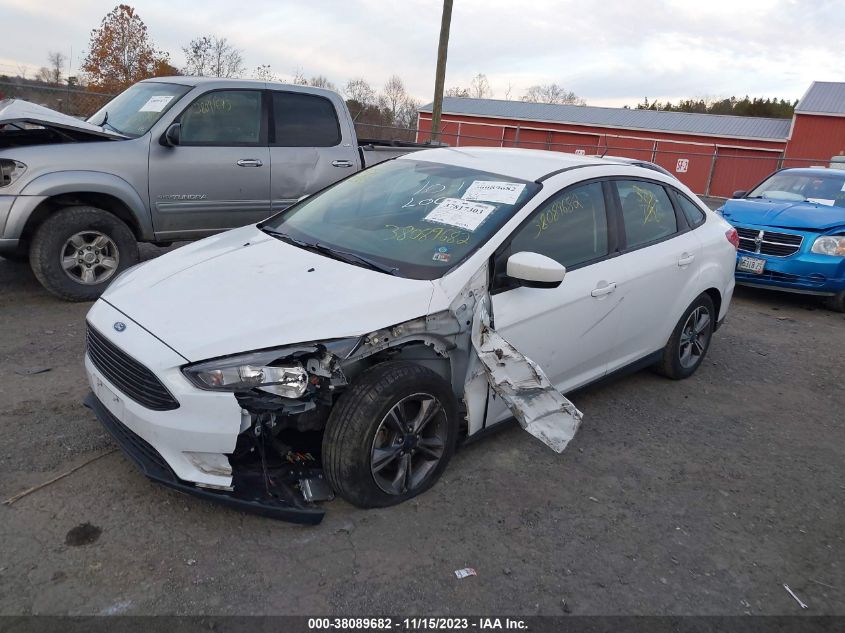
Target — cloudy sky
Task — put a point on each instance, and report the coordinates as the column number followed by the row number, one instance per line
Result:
column 612, row 52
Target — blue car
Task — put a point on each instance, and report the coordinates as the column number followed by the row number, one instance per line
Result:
column 792, row 233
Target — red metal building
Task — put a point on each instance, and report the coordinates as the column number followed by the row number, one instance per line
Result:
column 712, row 154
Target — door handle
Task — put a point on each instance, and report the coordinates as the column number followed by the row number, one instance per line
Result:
column 606, row 289
column 341, row 163
column 686, row 259
column 249, row 162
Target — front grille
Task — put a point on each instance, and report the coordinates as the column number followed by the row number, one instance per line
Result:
column 773, row 243
column 127, row 374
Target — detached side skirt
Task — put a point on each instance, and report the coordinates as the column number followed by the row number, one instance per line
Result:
column 536, row 404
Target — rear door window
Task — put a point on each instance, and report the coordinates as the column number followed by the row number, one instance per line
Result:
column 692, row 211
column 303, row 120
column 647, row 212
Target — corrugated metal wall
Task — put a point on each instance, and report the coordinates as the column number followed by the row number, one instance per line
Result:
column 709, row 165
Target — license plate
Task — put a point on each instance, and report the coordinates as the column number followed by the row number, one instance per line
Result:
column 109, row 398
column 751, row 265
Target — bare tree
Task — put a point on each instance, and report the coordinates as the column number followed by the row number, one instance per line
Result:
column 393, row 96
column 456, row 91
column 264, row 73
column 23, row 69
column 321, row 81
column 552, row 93
column 299, row 78
column 509, row 92
column 407, row 115
column 57, row 64
column 44, row 74
column 209, row 56
column 359, row 90
column 479, row 87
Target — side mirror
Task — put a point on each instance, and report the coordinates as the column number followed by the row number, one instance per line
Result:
column 739, row 194
column 535, row 270
column 172, row 135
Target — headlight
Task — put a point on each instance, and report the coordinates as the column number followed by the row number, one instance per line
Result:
column 247, row 372
column 10, row 171
column 829, row 245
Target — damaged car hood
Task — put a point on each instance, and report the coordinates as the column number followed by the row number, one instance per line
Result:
column 784, row 214
column 18, row 111
column 244, row 290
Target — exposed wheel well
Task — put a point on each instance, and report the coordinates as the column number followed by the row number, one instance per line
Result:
column 100, row 200
column 716, row 298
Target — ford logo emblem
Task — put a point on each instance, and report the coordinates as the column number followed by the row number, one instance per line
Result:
column 119, row 326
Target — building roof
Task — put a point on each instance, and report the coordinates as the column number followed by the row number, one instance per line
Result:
column 823, row 97
column 650, row 120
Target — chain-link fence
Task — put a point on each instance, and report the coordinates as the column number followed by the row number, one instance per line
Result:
column 73, row 101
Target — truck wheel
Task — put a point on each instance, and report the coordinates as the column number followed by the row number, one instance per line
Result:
column 77, row 251
column 836, row 302
column 391, row 435
column 690, row 340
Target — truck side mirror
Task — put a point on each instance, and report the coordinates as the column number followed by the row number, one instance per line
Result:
column 739, row 194
column 171, row 136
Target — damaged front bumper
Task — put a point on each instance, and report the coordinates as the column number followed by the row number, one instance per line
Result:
column 246, row 494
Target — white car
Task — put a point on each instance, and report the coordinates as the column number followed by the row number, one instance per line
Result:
column 348, row 343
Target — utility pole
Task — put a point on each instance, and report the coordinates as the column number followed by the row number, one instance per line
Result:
column 440, row 74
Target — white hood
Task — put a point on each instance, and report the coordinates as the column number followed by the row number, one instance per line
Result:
column 244, row 290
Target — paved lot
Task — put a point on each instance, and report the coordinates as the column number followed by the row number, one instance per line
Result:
column 695, row 497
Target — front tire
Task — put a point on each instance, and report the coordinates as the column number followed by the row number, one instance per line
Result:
column 690, row 340
column 77, row 251
column 391, row 435
column 836, row 302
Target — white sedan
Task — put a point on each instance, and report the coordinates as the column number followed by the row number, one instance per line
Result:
column 347, row 344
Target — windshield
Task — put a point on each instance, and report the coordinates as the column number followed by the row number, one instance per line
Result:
column 827, row 189
column 135, row 110
column 415, row 219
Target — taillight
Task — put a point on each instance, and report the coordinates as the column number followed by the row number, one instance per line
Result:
column 733, row 237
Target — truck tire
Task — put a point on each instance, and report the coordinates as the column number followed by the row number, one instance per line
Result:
column 78, row 250
column 390, row 435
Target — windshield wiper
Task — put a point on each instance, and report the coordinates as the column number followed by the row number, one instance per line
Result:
column 105, row 122
column 343, row 256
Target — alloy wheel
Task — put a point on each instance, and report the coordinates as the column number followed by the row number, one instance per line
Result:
column 90, row 257
column 409, row 443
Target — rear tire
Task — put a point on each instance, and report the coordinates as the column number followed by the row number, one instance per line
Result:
column 836, row 302
column 77, row 252
column 391, row 435
column 690, row 340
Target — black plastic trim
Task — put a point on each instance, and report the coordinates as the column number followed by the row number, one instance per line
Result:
column 154, row 466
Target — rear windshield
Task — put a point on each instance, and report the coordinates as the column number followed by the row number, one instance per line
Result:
column 419, row 217
column 135, row 110
column 821, row 188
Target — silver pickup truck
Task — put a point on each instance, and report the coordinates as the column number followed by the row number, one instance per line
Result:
column 172, row 158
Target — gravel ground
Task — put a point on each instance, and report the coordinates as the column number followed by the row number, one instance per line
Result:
column 697, row 497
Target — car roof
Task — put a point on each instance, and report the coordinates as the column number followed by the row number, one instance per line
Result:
column 525, row 164
column 815, row 171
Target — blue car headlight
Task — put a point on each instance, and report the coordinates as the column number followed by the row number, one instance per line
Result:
column 833, row 245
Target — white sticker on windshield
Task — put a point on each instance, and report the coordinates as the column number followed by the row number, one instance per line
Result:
column 843, row 186
column 156, row 104
column 460, row 213
column 827, row 203
column 494, row 191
